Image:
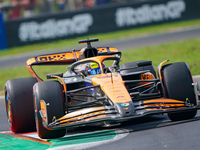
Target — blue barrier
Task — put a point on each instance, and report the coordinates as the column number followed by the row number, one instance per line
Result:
column 3, row 42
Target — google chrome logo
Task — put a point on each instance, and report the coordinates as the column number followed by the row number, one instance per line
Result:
column 125, row 104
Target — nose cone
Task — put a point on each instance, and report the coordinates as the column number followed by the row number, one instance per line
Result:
column 112, row 85
column 125, row 109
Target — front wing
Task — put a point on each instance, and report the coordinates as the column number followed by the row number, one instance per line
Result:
column 111, row 114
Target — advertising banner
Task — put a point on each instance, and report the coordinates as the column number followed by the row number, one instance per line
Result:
column 99, row 20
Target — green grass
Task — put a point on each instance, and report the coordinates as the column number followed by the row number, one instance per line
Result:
column 68, row 43
column 187, row 51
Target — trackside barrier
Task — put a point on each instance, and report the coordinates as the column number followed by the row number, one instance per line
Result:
column 3, row 43
column 67, row 25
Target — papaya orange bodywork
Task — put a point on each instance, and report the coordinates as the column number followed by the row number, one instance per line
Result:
column 164, row 103
column 43, row 109
column 146, row 76
column 112, row 85
column 30, row 69
column 65, row 58
column 87, row 114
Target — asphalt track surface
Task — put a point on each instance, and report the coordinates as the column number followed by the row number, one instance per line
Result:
column 152, row 133
column 121, row 45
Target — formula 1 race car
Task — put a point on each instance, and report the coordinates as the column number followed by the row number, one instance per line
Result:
column 96, row 89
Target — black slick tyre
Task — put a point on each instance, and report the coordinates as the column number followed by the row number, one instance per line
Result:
column 19, row 104
column 177, row 83
column 50, row 92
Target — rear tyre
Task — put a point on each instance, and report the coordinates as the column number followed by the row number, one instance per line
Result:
column 19, row 104
column 51, row 92
column 177, row 83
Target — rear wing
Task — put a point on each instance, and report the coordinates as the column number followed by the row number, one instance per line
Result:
column 64, row 58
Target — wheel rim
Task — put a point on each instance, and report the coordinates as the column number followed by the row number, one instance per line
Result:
column 8, row 107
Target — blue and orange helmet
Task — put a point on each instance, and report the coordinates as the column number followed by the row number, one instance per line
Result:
column 93, row 68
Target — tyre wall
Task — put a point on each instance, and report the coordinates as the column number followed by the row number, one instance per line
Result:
column 67, row 25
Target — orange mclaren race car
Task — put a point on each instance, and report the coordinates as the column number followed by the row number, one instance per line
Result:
column 96, row 89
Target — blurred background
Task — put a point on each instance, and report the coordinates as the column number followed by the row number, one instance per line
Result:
column 15, row 9
column 25, row 22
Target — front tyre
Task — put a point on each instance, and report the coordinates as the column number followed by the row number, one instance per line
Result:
column 51, row 92
column 177, row 83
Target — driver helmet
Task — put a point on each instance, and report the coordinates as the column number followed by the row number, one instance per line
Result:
column 93, row 68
